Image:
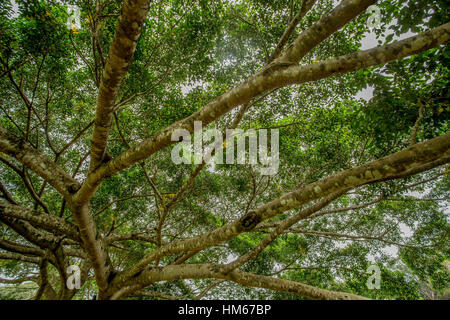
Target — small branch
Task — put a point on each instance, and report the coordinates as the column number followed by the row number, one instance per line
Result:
column 306, row 6
column 415, row 129
column 205, row 291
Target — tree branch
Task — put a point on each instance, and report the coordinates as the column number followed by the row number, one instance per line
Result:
column 45, row 221
column 306, row 6
column 386, row 168
column 200, row 271
column 266, row 80
column 120, row 56
column 38, row 163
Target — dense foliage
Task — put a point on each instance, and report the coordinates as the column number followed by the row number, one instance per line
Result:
column 189, row 53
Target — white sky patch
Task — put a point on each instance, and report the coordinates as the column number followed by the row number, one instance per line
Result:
column 341, row 244
column 366, row 93
column 15, row 9
column 405, row 230
column 390, row 250
column 370, row 41
column 186, row 88
column 371, row 258
column 231, row 257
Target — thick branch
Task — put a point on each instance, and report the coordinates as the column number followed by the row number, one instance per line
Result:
column 266, row 80
column 45, row 221
column 39, row 163
column 346, row 11
column 306, row 6
column 387, row 167
column 200, row 271
column 285, row 224
column 18, row 257
column 120, row 56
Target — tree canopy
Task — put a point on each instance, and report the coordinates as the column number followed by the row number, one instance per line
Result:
column 87, row 178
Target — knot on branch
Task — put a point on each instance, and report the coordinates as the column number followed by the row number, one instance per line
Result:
column 249, row 221
column 275, row 66
column 112, row 275
column 73, row 188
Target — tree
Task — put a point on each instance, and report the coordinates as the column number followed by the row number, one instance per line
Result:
column 86, row 131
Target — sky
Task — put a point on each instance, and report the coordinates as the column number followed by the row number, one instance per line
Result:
column 370, row 41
